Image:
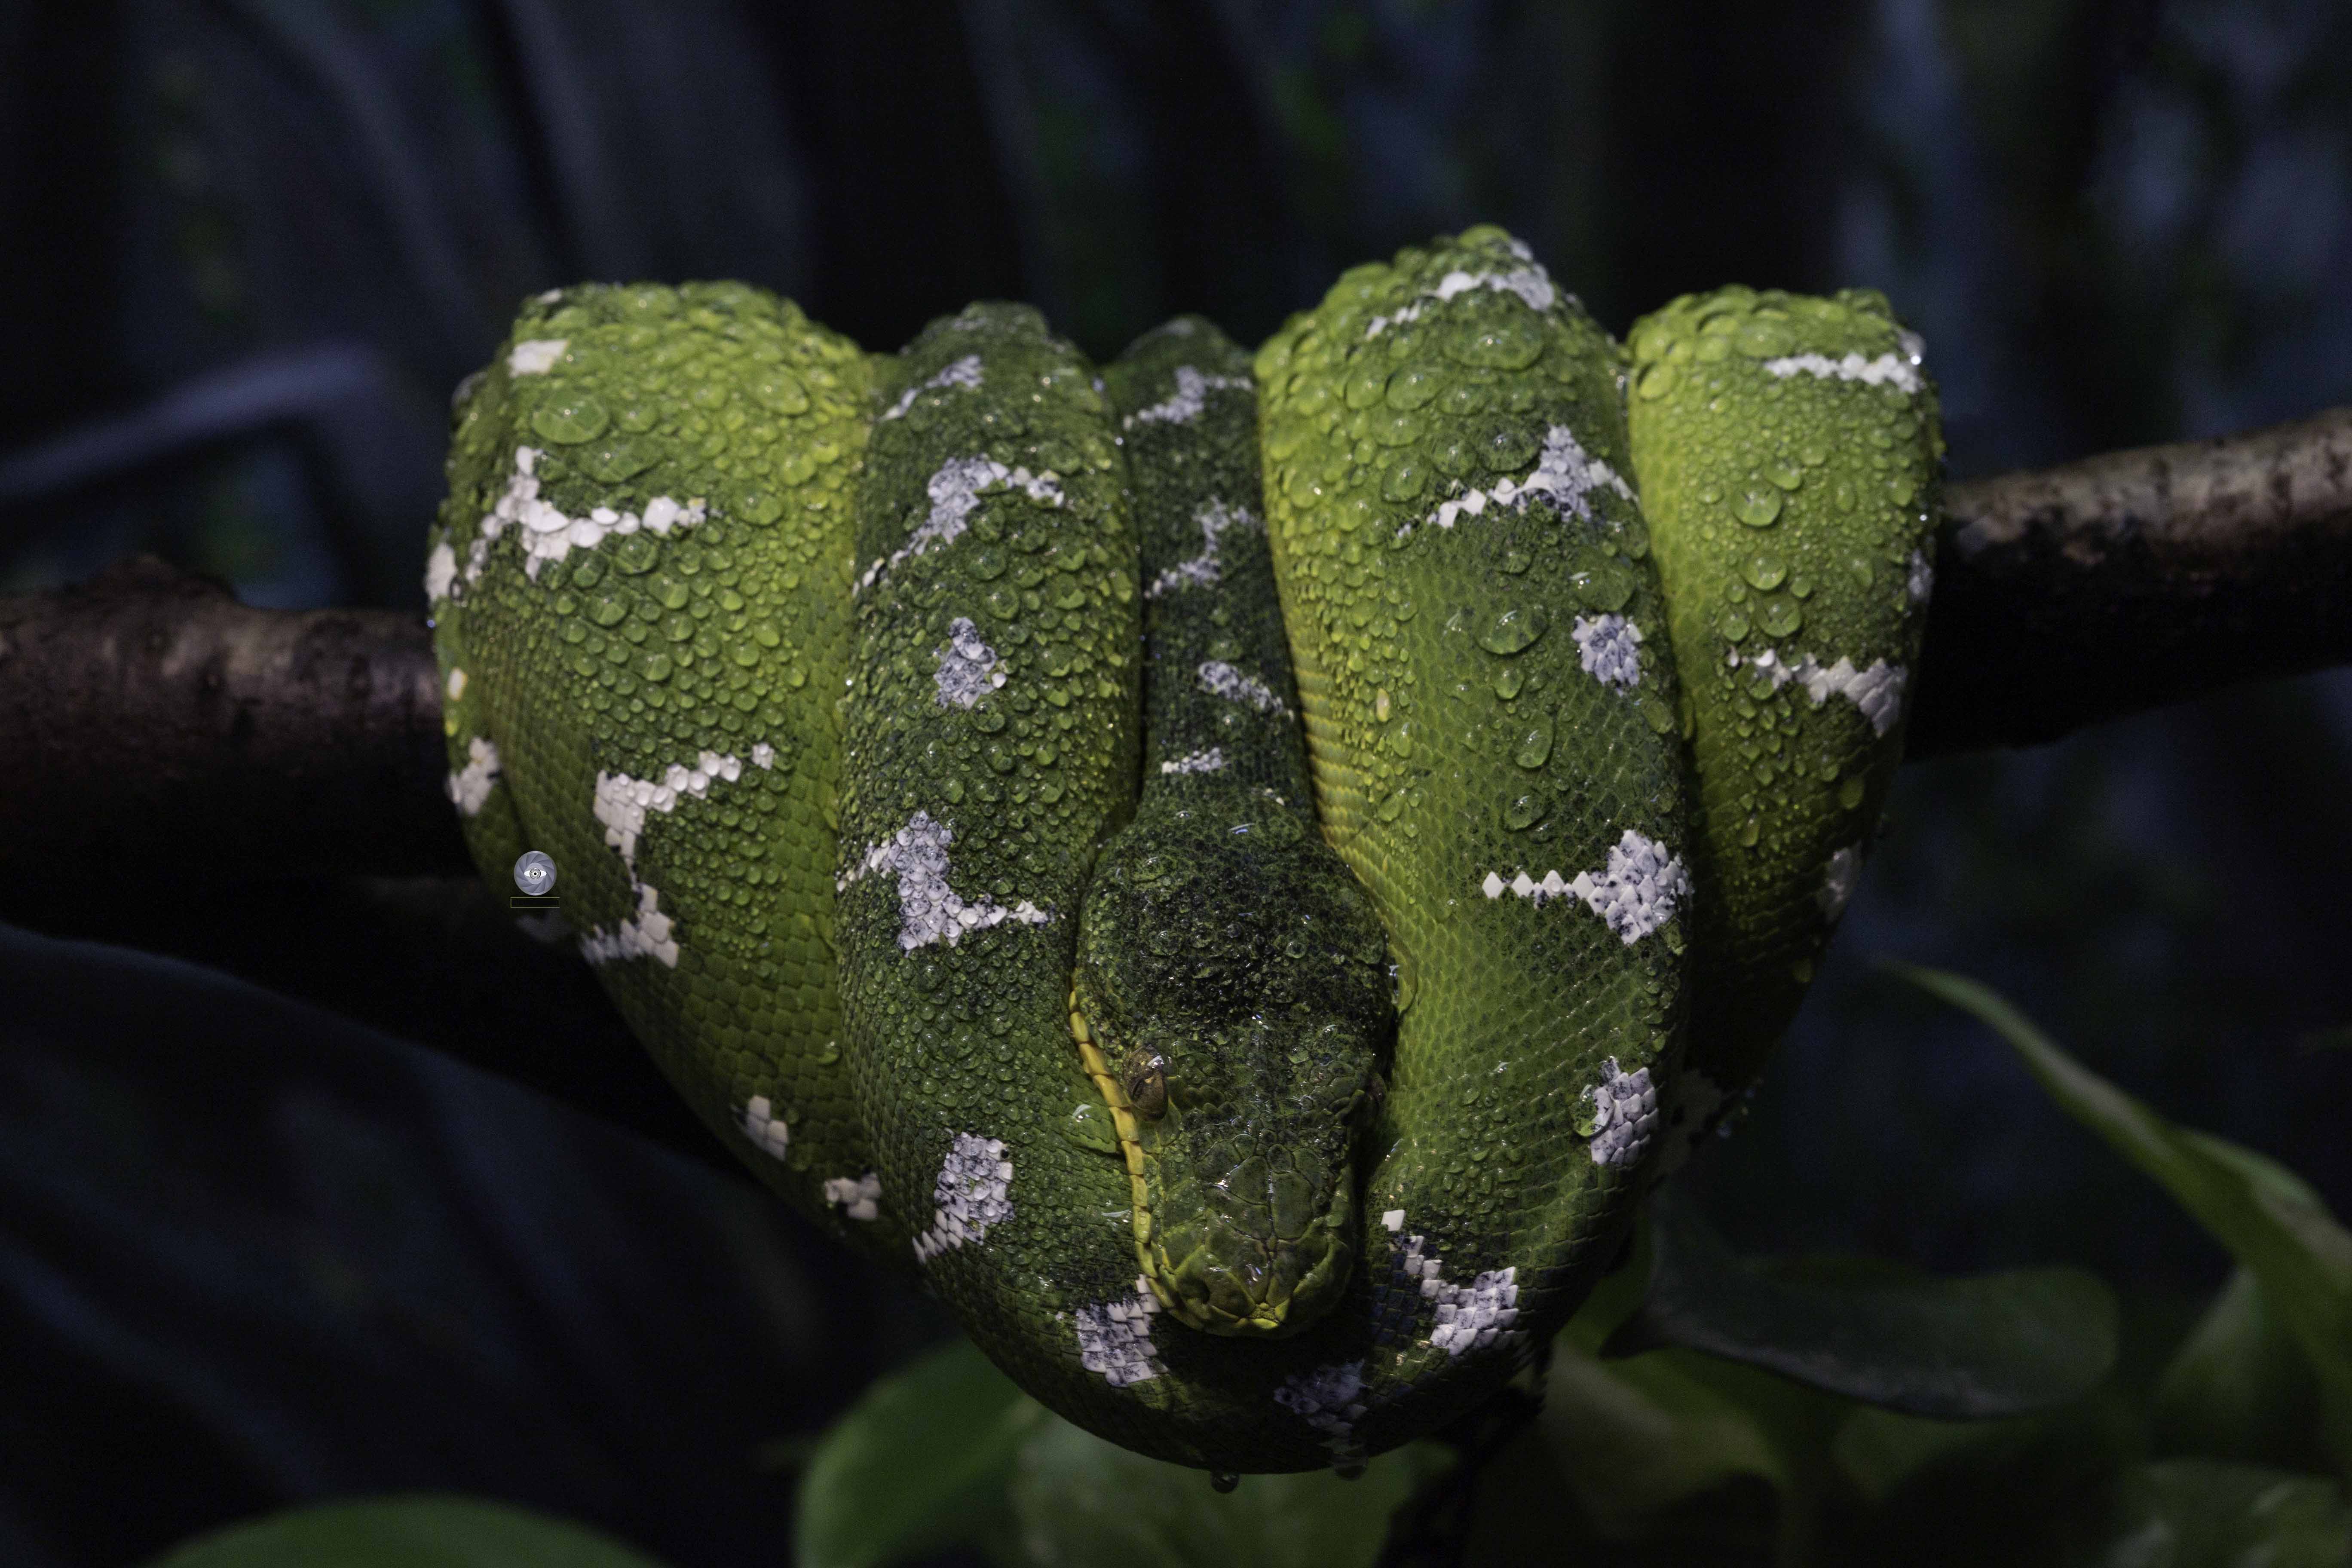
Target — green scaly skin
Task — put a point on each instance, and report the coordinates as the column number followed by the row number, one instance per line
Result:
column 1789, row 455
column 1455, row 546
column 1230, row 974
column 641, row 653
column 727, row 729
column 992, row 730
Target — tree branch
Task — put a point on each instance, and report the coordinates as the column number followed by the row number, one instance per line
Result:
column 2080, row 593
column 153, row 721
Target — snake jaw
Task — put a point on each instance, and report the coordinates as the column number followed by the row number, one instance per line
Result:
column 1210, row 1290
column 1217, row 1300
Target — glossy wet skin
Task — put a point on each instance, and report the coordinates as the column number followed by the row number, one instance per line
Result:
column 1458, row 747
column 1240, row 1046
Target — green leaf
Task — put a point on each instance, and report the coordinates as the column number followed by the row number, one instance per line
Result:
column 423, row 1532
column 2200, row 1513
column 1996, row 1345
column 921, row 1461
column 1636, row 1437
column 2272, row 1224
column 1083, row 1501
column 2240, row 1387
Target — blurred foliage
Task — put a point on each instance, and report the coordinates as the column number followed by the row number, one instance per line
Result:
column 405, row 1533
column 2115, row 221
column 2296, row 1259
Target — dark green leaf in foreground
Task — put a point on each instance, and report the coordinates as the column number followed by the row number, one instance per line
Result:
column 921, row 1460
column 948, row 1450
column 2271, row 1221
column 2240, row 1387
column 2197, row 1513
column 1633, row 1439
column 1999, row 1344
column 1084, row 1503
column 405, row 1533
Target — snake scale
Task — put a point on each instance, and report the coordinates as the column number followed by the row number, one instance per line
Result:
column 1240, row 869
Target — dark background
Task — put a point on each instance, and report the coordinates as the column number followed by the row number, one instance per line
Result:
column 253, row 1252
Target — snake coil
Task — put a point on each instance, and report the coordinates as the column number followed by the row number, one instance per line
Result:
column 1241, row 869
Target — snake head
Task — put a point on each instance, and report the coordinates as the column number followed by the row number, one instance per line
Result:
column 1235, row 1014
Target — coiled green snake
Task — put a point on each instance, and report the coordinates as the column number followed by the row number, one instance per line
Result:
column 1240, row 869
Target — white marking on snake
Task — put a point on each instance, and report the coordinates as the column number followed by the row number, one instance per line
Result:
column 623, row 805
column 1202, row 570
column 1609, row 649
column 1222, row 679
column 622, row 802
column 763, row 755
column 549, row 535
column 975, row 1191
column 964, row 372
column 1921, row 582
column 968, row 666
column 955, row 489
column 535, row 356
column 440, row 574
column 471, row 786
column 765, row 1128
column 1191, row 396
column 1878, row 691
column 1635, row 893
column 1886, row 369
column 1469, row 1317
column 646, row 934
column 1208, row 761
column 1115, row 1338
column 457, row 684
column 1531, row 283
column 1565, row 474
column 857, row 1197
column 1329, row 1398
column 1624, row 1114
column 1393, row 1219
column 1839, row 880
column 928, row 910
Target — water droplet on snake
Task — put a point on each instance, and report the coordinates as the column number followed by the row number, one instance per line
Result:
column 1534, row 743
column 1758, row 508
column 1510, row 630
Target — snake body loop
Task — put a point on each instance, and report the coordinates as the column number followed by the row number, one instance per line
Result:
column 916, row 739
column 1233, row 995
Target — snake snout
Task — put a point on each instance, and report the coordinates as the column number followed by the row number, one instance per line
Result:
column 1265, row 1251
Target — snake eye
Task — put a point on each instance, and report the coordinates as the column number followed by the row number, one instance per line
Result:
column 1376, row 1096
column 1147, row 1086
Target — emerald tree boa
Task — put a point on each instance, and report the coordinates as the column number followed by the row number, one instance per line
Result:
column 1240, row 869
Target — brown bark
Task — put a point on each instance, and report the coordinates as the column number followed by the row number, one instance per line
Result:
column 153, row 723
column 2085, row 593
column 154, row 726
